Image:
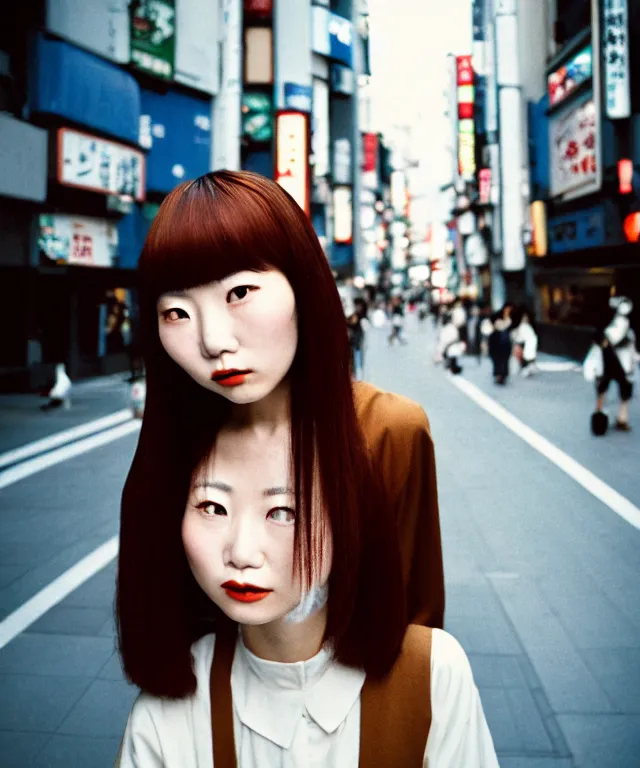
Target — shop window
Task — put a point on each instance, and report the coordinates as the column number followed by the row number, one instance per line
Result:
column 574, row 304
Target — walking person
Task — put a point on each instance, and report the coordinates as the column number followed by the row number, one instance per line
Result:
column 397, row 321
column 450, row 345
column 613, row 357
column 60, row 393
column 500, row 346
column 355, row 328
column 525, row 340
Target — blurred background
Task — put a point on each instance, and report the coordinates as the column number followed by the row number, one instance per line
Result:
column 472, row 170
column 488, row 148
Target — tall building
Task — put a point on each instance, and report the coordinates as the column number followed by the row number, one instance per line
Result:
column 585, row 160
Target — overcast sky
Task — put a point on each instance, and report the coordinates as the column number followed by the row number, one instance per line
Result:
column 410, row 40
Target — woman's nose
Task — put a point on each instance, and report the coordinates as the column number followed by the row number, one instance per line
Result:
column 217, row 335
column 243, row 549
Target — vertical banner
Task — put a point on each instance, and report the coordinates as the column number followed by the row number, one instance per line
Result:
column 292, row 156
column 466, row 126
column 153, row 36
column 615, row 43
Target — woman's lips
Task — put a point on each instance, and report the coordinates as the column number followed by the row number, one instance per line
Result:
column 229, row 378
column 245, row 593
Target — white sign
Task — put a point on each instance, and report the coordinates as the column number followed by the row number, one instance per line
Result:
column 197, row 55
column 343, row 215
column 101, row 26
column 342, row 161
column 573, row 149
column 292, row 156
column 616, row 58
column 89, row 162
column 78, row 240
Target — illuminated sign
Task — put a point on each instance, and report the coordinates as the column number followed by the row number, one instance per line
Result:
column 577, row 70
column 466, row 127
column 292, row 156
column 342, row 215
column 100, row 165
column 616, row 58
column 78, row 240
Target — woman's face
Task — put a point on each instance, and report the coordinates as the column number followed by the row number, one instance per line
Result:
column 238, row 531
column 236, row 337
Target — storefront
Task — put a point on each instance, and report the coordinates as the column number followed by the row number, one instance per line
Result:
column 82, row 300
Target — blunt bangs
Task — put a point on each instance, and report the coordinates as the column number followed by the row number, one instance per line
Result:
column 208, row 229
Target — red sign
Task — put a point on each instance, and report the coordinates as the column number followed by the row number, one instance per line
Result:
column 625, row 176
column 485, row 185
column 464, row 70
column 370, row 151
column 258, row 8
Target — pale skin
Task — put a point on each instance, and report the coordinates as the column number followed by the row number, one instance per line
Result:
column 239, row 519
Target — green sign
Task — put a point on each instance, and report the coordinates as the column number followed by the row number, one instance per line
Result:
column 257, row 116
column 153, row 36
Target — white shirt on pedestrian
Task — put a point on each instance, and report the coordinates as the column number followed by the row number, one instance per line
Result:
column 303, row 715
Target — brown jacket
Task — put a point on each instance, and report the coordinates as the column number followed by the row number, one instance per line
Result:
column 398, row 435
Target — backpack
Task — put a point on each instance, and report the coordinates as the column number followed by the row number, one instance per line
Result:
column 395, row 710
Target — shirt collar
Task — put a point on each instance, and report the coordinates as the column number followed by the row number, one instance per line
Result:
column 270, row 698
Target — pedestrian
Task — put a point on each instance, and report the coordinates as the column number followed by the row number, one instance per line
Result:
column 474, row 346
column 613, row 357
column 525, row 341
column 450, row 345
column 459, row 319
column 355, row 328
column 245, row 347
column 397, row 321
column 60, row 393
column 500, row 346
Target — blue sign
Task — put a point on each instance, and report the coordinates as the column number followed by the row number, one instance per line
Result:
column 341, row 39
column 578, row 230
column 298, row 97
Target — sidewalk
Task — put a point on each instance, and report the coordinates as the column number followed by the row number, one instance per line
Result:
column 22, row 421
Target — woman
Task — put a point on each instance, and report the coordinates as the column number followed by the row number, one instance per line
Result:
column 245, row 342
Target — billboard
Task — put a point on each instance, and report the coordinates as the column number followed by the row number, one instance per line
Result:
column 78, row 240
column 153, row 36
column 88, row 162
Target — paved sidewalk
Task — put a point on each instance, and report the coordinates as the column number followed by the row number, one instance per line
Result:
column 22, row 421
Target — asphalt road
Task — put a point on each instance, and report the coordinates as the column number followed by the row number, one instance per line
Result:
column 542, row 577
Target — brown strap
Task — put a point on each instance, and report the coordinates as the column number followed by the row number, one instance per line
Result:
column 224, row 749
column 395, row 712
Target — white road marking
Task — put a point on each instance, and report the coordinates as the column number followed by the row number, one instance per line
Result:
column 52, row 594
column 605, row 493
column 66, row 436
column 551, row 366
column 37, row 464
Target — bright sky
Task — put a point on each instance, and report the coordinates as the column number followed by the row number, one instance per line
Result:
column 410, row 40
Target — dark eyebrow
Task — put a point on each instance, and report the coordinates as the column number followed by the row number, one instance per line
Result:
column 277, row 491
column 167, row 294
column 218, row 484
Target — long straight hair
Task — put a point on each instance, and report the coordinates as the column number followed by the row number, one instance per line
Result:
column 205, row 230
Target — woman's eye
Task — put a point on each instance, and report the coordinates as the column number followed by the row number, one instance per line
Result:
column 211, row 509
column 283, row 515
column 173, row 314
column 239, row 293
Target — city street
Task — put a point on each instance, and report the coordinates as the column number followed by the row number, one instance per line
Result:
column 542, row 567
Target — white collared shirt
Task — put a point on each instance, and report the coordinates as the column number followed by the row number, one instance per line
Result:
column 303, row 715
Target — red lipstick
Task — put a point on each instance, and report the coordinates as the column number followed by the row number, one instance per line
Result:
column 245, row 593
column 231, row 377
